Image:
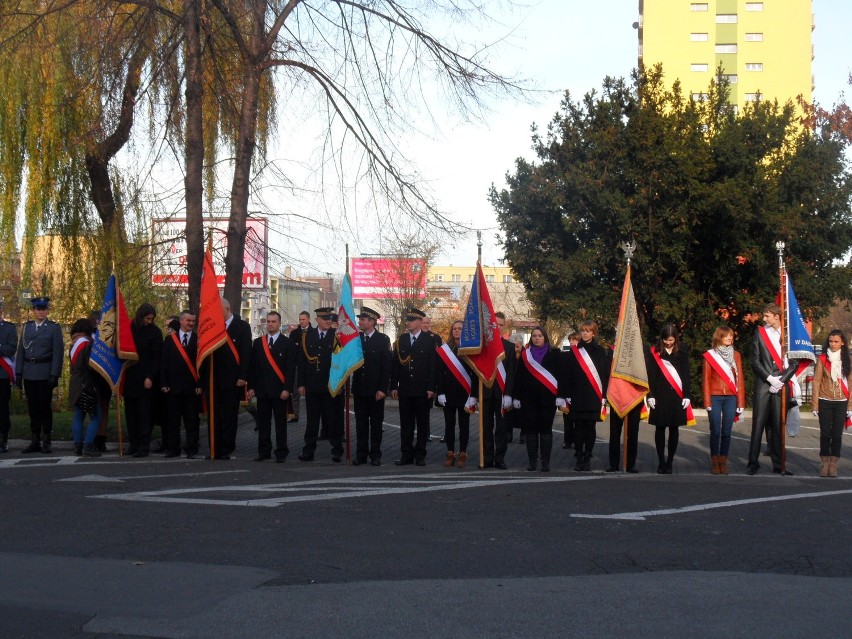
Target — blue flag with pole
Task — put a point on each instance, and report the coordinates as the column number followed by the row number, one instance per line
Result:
column 348, row 354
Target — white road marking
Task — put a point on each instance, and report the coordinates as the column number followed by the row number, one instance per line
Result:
column 70, row 460
column 122, row 479
column 643, row 514
column 324, row 490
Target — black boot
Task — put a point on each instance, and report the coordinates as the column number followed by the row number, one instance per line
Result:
column 587, row 462
column 35, row 445
column 532, row 450
column 100, row 444
column 546, row 448
column 78, row 449
column 579, row 455
column 45, row 446
column 4, row 443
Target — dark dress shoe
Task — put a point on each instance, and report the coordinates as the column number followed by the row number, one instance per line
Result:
column 46, row 448
column 335, row 459
column 612, row 469
column 376, row 462
column 358, row 461
column 34, row 447
column 404, row 461
column 751, row 470
column 501, row 465
column 661, row 469
column 140, row 453
column 419, row 462
column 786, row 473
column 262, row 457
column 545, row 467
column 305, row 457
column 130, row 450
column 172, row 453
column 632, row 471
column 159, row 449
column 531, row 468
column 280, row 460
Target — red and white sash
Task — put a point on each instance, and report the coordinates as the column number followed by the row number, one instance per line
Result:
column 771, row 347
column 725, row 372
column 8, row 365
column 77, row 348
column 501, row 377
column 844, row 385
column 182, row 351
column 673, row 378
column 540, row 372
column 455, row 367
column 588, row 366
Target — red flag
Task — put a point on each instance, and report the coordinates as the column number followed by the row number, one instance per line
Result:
column 480, row 343
column 211, row 318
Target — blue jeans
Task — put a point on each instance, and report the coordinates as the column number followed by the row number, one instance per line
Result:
column 91, row 429
column 723, row 409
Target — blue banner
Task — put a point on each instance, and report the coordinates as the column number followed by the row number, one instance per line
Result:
column 348, row 353
column 471, row 336
column 799, row 345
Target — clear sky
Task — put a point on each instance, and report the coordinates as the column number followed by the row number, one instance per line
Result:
column 556, row 45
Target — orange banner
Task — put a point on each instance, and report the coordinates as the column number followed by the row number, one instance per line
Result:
column 211, row 317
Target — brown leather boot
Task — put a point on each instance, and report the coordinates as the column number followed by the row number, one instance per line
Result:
column 714, row 459
column 450, row 460
column 461, row 460
column 823, row 465
column 832, row 466
column 723, row 464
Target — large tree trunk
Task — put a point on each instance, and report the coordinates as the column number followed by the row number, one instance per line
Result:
column 194, row 153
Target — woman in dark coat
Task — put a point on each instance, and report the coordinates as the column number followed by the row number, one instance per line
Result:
column 455, row 398
column 539, row 390
column 140, row 380
column 84, row 397
column 588, row 365
column 669, row 392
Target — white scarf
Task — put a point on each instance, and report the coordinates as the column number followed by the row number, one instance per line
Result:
column 836, row 369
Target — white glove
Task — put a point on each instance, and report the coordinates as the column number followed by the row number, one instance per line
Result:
column 507, row 402
column 685, row 403
column 442, row 400
column 516, row 403
column 709, row 408
column 560, row 403
column 775, row 389
column 816, row 413
column 568, row 400
column 471, row 401
column 773, row 381
column 739, row 411
column 849, row 414
column 652, row 403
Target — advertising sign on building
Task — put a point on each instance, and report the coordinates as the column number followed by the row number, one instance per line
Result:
column 168, row 252
column 388, row 277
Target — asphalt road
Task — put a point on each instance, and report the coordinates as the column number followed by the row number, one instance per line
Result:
column 193, row 548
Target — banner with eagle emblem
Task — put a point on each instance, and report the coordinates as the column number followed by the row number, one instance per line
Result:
column 348, row 354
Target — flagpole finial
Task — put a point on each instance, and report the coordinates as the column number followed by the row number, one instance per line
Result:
column 479, row 246
column 779, row 246
column 629, row 248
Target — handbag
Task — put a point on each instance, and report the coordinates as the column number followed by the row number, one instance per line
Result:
column 88, row 400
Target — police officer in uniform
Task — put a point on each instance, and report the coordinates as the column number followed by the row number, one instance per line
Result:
column 370, row 386
column 413, row 381
column 313, row 367
column 38, row 365
column 8, row 346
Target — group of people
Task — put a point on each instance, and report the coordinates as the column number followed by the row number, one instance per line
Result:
column 419, row 370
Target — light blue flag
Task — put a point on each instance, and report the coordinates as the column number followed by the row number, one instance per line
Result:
column 348, row 353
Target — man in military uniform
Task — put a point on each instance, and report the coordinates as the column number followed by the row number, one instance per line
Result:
column 230, row 375
column 498, row 399
column 38, row 365
column 296, row 338
column 8, row 346
column 413, row 381
column 180, row 383
column 314, row 364
column 370, row 386
column 271, row 376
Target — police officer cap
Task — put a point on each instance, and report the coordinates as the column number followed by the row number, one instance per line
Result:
column 369, row 313
column 40, row 303
column 414, row 314
column 324, row 312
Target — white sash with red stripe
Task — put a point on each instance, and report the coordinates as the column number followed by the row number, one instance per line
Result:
column 589, row 369
column 722, row 369
column 455, row 366
column 8, row 365
column 844, row 385
column 773, row 348
column 540, row 372
column 76, row 348
column 673, row 378
column 501, row 377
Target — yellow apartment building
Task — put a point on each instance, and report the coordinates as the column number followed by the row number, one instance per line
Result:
column 764, row 47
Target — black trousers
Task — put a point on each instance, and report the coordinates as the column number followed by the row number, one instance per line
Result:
column 5, row 397
column 182, row 407
column 538, row 426
column 369, row 417
column 39, row 405
column 321, row 407
column 414, row 411
column 832, row 418
column 227, row 412
column 450, row 414
column 267, row 407
column 495, row 437
column 138, row 417
column 584, row 435
column 568, row 429
column 765, row 416
column 616, row 425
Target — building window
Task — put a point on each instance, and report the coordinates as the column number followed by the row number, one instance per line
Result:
column 731, row 77
column 752, row 97
column 439, row 278
column 698, row 6
column 726, row 48
column 489, row 278
column 699, row 97
column 698, row 67
column 754, row 66
column 698, row 37
column 507, row 279
column 754, row 6
column 754, row 37
column 457, row 278
column 726, row 18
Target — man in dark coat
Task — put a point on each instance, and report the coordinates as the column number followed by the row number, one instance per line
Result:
column 314, row 364
column 495, row 402
column 179, row 381
column 370, row 386
column 8, row 346
column 271, row 376
column 296, row 337
column 413, row 380
column 38, row 365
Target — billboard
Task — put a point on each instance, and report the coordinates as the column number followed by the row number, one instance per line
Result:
column 388, row 277
column 168, row 252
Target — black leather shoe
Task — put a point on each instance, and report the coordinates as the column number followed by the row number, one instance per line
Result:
column 501, row 465
column 159, row 449
column 419, row 462
column 612, row 469
column 34, row 447
column 358, row 461
column 262, row 457
column 46, row 448
column 172, row 453
column 786, row 473
column 404, row 461
column 130, row 450
column 633, row 471
column 751, row 470
column 305, row 457
column 140, row 453
column 335, row 459
column 376, row 462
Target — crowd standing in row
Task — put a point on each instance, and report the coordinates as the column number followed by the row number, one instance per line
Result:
column 418, row 370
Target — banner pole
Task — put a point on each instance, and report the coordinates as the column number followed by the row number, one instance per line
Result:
column 624, row 426
column 346, row 390
column 211, row 419
column 118, row 422
column 780, row 246
column 481, row 426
